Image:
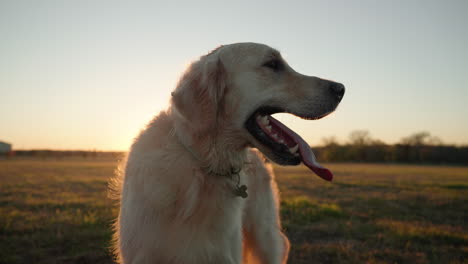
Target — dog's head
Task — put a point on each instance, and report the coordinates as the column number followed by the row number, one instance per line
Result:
column 232, row 92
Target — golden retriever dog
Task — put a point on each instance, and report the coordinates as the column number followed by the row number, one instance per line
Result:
column 192, row 188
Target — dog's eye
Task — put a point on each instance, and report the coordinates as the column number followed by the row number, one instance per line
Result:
column 275, row 64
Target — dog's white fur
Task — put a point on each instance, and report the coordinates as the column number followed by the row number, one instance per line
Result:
column 175, row 207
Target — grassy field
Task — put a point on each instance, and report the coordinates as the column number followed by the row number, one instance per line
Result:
column 58, row 212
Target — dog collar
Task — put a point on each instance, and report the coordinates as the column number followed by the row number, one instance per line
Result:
column 239, row 190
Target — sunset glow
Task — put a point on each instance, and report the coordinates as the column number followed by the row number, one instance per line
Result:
column 90, row 75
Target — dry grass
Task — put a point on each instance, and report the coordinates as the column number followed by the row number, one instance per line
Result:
column 376, row 214
column 58, row 212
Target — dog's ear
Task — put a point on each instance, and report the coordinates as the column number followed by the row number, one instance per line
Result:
column 199, row 94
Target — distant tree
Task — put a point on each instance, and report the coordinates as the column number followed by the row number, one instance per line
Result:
column 434, row 141
column 331, row 150
column 330, row 141
column 358, row 141
column 421, row 147
column 377, row 151
column 416, row 139
column 421, row 139
column 360, row 138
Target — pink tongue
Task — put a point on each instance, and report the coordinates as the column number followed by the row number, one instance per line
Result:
column 307, row 156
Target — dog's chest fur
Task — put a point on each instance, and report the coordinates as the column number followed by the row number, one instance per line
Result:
column 208, row 220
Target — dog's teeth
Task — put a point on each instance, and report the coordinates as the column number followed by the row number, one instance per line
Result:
column 296, row 154
column 275, row 136
column 264, row 120
column 268, row 128
column 294, row 149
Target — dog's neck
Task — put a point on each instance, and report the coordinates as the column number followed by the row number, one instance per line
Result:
column 213, row 160
column 211, row 150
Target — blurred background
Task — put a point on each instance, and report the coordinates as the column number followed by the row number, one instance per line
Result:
column 79, row 79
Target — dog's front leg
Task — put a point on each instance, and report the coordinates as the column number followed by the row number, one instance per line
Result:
column 265, row 246
column 263, row 240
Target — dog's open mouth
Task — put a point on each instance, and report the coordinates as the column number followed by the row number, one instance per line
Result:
column 287, row 147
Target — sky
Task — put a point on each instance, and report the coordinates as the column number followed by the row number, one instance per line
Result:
column 91, row 74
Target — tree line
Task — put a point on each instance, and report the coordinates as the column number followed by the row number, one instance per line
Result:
column 60, row 154
column 420, row 148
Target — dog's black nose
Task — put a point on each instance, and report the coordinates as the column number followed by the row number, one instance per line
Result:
column 337, row 89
